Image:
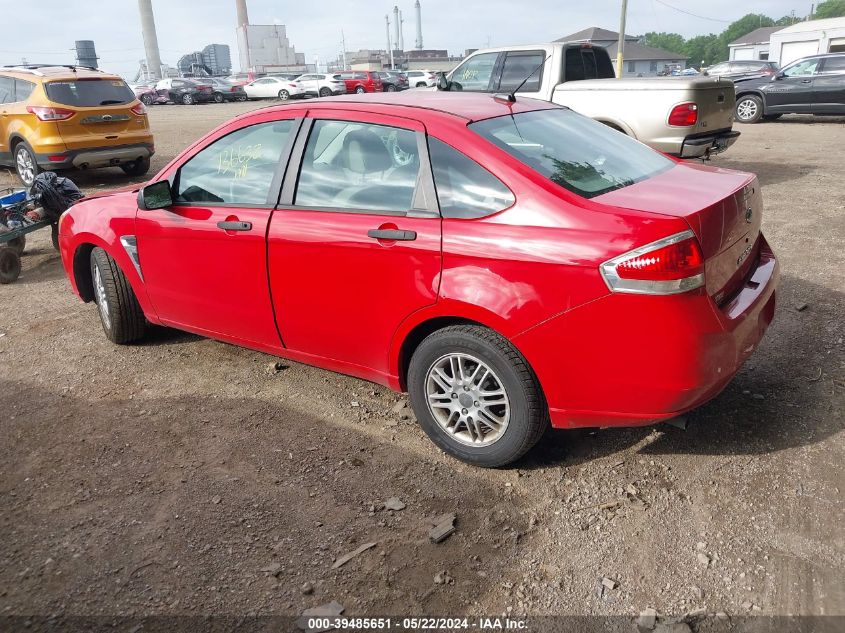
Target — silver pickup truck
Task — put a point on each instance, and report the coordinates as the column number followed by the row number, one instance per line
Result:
column 690, row 117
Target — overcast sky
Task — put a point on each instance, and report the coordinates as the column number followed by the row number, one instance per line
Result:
column 47, row 34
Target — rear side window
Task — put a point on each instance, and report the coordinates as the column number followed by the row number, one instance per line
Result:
column 14, row 90
column 89, row 92
column 833, row 65
column 573, row 65
column 464, row 188
column 236, row 169
column 517, row 68
column 573, row 151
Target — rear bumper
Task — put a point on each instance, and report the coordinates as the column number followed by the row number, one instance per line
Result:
column 631, row 360
column 95, row 156
column 698, row 145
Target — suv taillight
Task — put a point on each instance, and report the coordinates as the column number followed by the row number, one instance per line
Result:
column 139, row 109
column 684, row 115
column 45, row 113
column 669, row 266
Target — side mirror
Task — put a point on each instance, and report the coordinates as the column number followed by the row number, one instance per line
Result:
column 443, row 82
column 777, row 76
column 156, row 195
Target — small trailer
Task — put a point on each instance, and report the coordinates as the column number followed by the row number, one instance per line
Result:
column 16, row 220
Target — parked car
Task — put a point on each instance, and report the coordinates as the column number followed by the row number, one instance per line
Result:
column 242, row 79
column 541, row 267
column 393, row 81
column 146, row 94
column 269, row 87
column 742, row 69
column 421, row 78
column 810, row 85
column 185, row 91
column 226, row 91
column 360, row 81
column 61, row 117
column 688, row 117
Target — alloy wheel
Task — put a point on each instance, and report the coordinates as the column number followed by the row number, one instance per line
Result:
column 467, row 399
column 102, row 298
column 746, row 109
column 25, row 165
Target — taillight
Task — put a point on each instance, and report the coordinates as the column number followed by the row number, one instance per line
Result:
column 669, row 266
column 139, row 109
column 684, row 115
column 45, row 113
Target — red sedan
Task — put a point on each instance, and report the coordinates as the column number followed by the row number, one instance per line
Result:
column 511, row 265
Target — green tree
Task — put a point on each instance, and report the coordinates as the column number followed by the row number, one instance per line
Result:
column 741, row 27
column 702, row 48
column 830, row 9
column 667, row 41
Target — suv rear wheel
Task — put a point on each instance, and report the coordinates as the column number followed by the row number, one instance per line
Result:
column 475, row 396
column 25, row 164
column 136, row 167
column 360, row 90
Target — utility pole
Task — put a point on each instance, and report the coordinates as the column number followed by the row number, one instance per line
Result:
column 389, row 43
column 620, row 54
column 343, row 48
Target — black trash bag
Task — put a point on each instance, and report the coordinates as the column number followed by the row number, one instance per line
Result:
column 54, row 193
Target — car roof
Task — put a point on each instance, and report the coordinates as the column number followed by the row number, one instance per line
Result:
column 49, row 72
column 470, row 106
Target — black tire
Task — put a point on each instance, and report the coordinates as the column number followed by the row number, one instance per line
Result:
column 528, row 411
column 421, row 84
column 218, row 97
column 136, row 167
column 187, row 99
column 360, row 90
column 390, row 88
column 23, row 153
column 241, row 99
column 147, row 99
column 771, row 117
column 284, row 95
column 325, row 92
column 10, row 265
column 126, row 321
column 749, row 109
column 18, row 245
column 54, row 230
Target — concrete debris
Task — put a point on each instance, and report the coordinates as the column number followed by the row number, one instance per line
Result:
column 695, row 614
column 802, row 306
column 329, row 610
column 216, row 499
column 273, row 568
column 703, row 558
column 609, row 583
column 306, row 588
column 399, row 406
column 394, row 504
column 443, row 578
column 647, row 619
column 444, row 527
column 340, row 562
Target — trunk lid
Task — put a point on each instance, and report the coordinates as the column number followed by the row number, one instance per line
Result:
column 722, row 207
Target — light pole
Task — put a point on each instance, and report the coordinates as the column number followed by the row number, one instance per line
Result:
column 620, row 53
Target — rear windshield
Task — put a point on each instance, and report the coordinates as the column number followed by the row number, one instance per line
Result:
column 89, row 92
column 577, row 153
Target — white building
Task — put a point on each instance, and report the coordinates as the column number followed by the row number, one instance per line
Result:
column 807, row 38
column 265, row 48
column 752, row 46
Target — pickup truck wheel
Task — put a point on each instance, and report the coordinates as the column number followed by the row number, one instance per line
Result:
column 749, row 109
column 120, row 313
column 475, row 396
column 10, row 265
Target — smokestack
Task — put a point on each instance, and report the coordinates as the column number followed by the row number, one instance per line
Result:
column 395, row 26
column 86, row 55
column 401, row 32
column 243, row 18
column 419, row 42
column 148, row 29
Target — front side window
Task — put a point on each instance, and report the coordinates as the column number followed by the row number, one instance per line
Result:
column 802, row 69
column 89, row 92
column 235, row 169
column 464, row 188
column 517, row 68
column 359, row 166
column 577, row 153
column 475, row 73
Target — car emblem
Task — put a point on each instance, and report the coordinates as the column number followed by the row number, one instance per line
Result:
column 106, row 117
column 749, row 214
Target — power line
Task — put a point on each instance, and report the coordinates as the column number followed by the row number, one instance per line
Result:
column 695, row 15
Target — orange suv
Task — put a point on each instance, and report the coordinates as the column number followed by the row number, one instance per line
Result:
column 60, row 117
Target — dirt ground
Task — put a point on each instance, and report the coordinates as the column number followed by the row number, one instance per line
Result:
column 186, row 476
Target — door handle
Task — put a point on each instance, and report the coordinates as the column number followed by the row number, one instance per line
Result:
column 805, row 81
column 393, row 235
column 230, row 225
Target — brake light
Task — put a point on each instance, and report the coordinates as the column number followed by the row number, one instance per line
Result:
column 672, row 265
column 139, row 109
column 45, row 113
column 684, row 114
